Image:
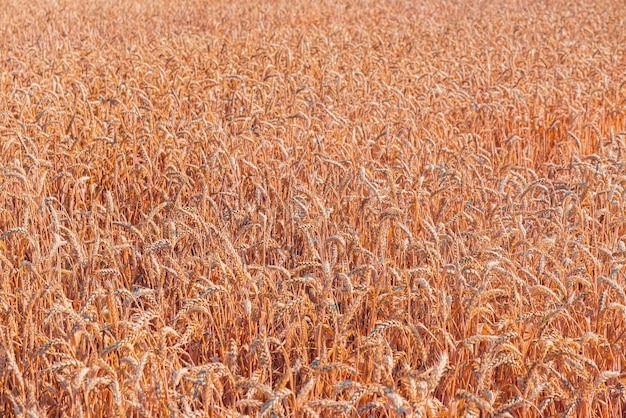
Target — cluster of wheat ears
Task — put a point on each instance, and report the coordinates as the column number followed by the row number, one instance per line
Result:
column 279, row 208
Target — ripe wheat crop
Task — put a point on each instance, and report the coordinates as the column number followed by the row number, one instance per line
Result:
column 286, row 208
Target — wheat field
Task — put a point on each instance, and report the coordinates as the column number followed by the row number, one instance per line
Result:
column 312, row 209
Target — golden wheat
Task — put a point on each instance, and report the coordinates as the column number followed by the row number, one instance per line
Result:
column 376, row 208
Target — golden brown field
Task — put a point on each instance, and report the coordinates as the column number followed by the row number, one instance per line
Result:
column 282, row 208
